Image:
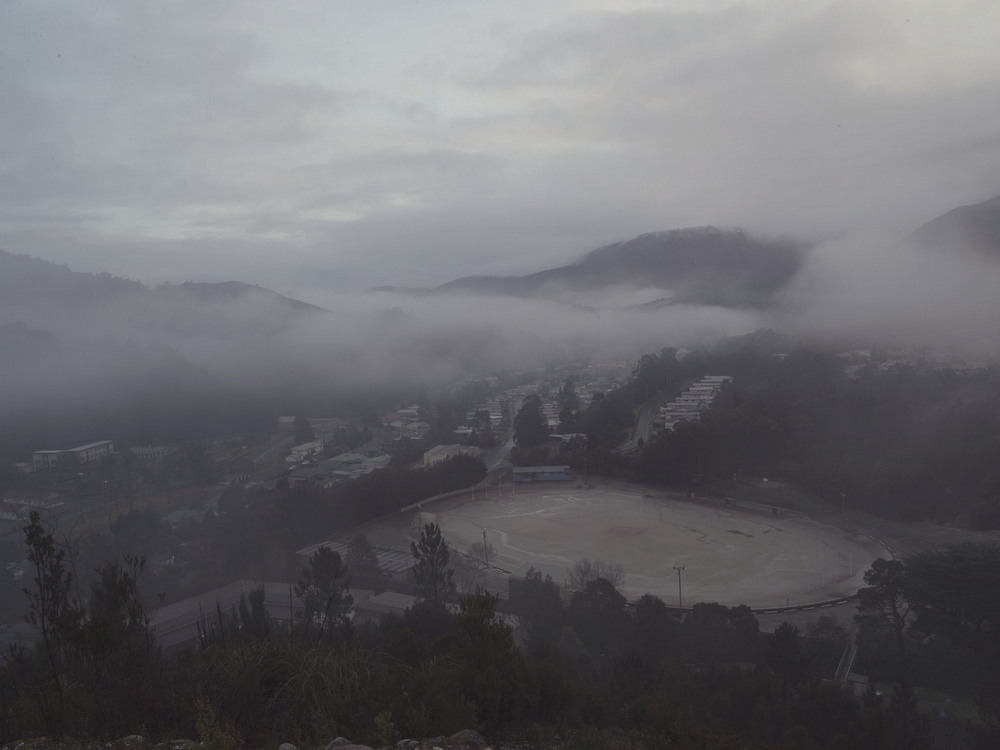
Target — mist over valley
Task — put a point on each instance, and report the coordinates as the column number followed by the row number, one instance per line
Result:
column 590, row 374
column 81, row 340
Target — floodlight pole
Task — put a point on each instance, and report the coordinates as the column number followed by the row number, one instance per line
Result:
column 680, row 601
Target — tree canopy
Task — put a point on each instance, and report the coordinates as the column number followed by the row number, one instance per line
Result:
column 530, row 426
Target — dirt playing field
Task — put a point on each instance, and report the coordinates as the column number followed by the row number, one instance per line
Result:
column 731, row 553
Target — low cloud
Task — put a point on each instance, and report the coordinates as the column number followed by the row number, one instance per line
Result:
column 876, row 288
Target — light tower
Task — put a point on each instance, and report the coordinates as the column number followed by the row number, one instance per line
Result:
column 486, row 552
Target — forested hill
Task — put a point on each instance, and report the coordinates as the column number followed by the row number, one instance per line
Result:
column 31, row 287
column 909, row 440
column 700, row 264
column 26, row 279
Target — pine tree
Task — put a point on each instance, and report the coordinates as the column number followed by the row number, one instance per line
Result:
column 430, row 568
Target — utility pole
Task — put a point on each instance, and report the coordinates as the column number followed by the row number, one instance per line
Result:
column 680, row 600
column 486, row 551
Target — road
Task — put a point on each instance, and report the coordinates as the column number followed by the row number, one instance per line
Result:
column 493, row 457
column 280, row 444
column 647, row 413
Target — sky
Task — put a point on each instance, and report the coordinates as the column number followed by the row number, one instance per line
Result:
column 340, row 145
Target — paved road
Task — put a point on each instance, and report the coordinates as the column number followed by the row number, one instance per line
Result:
column 643, row 428
column 493, row 457
column 280, row 444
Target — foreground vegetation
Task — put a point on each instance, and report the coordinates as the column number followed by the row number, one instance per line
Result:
column 583, row 665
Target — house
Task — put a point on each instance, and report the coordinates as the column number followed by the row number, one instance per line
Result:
column 302, row 451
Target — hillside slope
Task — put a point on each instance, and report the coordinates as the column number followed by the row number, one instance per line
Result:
column 975, row 227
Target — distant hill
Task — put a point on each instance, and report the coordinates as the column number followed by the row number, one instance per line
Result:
column 230, row 291
column 32, row 282
column 702, row 265
column 80, row 306
column 975, row 227
column 24, row 278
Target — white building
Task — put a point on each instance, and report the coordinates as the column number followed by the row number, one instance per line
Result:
column 74, row 458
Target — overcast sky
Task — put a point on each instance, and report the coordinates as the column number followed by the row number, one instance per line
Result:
column 327, row 143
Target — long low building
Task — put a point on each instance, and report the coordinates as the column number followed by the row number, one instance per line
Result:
column 523, row 474
column 391, row 562
column 74, row 458
column 183, row 623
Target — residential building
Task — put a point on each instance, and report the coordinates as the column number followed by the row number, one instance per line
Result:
column 73, row 459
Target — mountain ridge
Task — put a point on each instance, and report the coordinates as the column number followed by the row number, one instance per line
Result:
column 20, row 275
column 704, row 264
column 974, row 227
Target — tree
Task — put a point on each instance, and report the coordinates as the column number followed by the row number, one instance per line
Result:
column 536, row 601
column 653, row 632
column 361, row 556
column 952, row 592
column 482, row 552
column 885, row 598
column 784, row 657
column 569, row 406
column 826, row 627
column 652, row 372
column 484, row 429
column 718, row 634
column 254, row 619
column 55, row 615
column 530, row 426
column 598, row 616
column 322, row 587
column 495, row 663
column 587, row 570
column 117, row 646
column 430, row 569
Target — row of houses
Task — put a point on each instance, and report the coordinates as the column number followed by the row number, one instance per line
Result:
column 689, row 404
column 327, row 472
column 15, row 505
